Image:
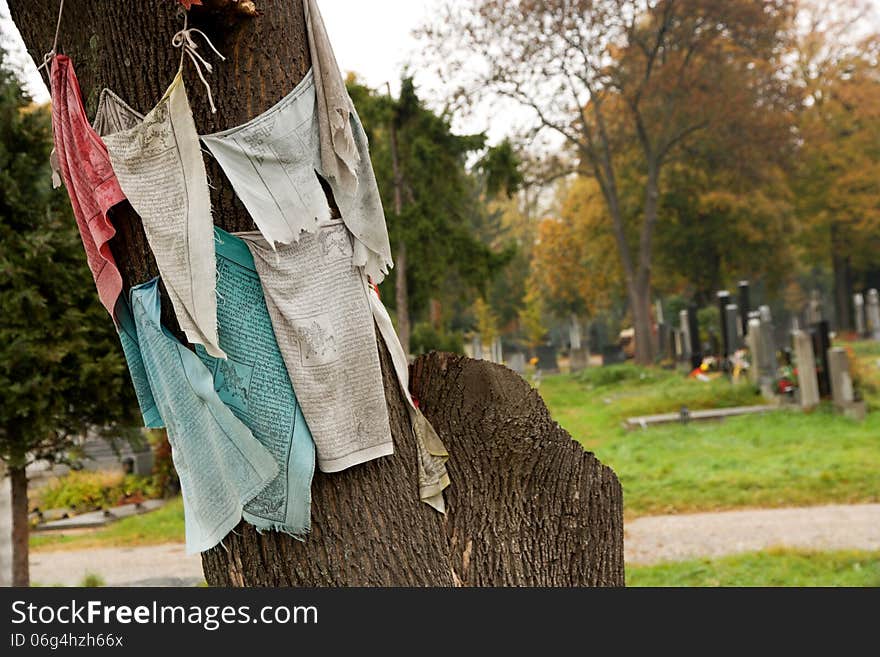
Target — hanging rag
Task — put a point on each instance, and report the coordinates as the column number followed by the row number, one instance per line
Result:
column 160, row 168
column 253, row 382
column 345, row 155
column 85, row 167
column 321, row 313
column 134, row 359
column 273, row 162
column 221, row 465
column 431, row 452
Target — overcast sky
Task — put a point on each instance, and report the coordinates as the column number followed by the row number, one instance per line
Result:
column 357, row 30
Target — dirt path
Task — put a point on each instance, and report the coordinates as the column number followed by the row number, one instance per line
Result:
column 676, row 538
column 648, row 540
column 153, row 565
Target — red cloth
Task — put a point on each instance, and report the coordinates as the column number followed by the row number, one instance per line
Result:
column 88, row 176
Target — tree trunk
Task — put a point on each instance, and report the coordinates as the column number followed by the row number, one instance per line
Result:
column 20, row 528
column 527, row 504
column 401, row 297
column 401, row 287
column 843, row 295
column 640, row 304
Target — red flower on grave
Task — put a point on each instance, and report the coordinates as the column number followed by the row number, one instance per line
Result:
column 189, row 3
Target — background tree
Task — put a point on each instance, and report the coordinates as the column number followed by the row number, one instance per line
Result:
column 62, row 374
column 573, row 261
column 604, row 74
column 441, row 202
column 837, row 180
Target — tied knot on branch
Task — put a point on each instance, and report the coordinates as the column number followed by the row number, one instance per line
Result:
column 233, row 7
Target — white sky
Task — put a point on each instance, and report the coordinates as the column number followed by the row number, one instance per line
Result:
column 373, row 39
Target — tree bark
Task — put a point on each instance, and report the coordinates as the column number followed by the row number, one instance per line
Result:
column 20, row 528
column 527, row 505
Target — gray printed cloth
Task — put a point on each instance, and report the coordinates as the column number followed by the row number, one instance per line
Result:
column 159, row 165
column 322, row 317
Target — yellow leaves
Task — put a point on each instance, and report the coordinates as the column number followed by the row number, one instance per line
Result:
column 487, row 321
column 575, row 262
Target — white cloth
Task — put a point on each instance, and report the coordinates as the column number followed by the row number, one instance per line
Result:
column 160, row 168
column 323, row 321
column 432, row 454
column 273, row 162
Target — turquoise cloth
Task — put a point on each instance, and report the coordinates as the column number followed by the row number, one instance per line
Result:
column 253, row 382
column 221, row 465
column 132, row 351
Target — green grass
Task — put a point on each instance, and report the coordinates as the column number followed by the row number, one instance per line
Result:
column 784, row 458
column 773, row 568
column 165, row 525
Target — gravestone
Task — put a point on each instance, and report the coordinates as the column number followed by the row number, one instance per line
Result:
column 808, row 382
column 753, row 341
column 685, row 335
column 859, row 306
column 574, row 333
column 767, row 363
column 841, row 379
column 663, row 352
column 497, row 351
column 547, row 362
column 814, row 308
column 723, row 302
column 731, row 321
column 612, row 354
column 821, row 345
column 873, row 312
column 694, row 335
column 5, row 528
column 477, row 347
column 517, row 362
column 578, row 360
column 744, row 306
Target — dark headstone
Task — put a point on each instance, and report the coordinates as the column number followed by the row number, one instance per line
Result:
column 612, row 355
column 547, row 362
column 745, row 306
column 821, row 343
column 723, row 301
column 694, row 331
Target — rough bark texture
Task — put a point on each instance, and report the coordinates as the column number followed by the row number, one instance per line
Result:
column 20, row 548
column 527, row 506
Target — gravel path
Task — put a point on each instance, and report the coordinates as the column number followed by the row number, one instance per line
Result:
column 649, row 540
column 680, row 537
column 153, row 565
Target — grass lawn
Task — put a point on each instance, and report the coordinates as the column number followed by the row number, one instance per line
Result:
column 785, row 458
column 164, row 525
column 774, row 568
